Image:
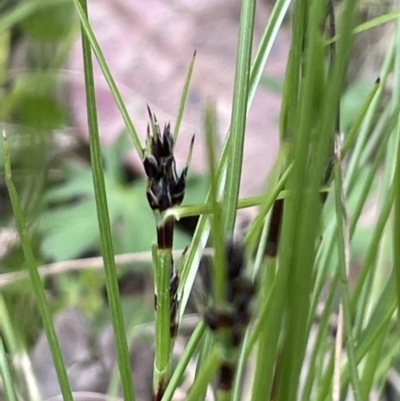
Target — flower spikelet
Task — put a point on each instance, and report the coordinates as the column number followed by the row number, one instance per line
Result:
column 165, row 188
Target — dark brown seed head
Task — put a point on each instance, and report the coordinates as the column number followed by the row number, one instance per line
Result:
column 165, row 187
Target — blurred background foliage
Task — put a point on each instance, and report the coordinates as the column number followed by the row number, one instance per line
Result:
column 51, row 167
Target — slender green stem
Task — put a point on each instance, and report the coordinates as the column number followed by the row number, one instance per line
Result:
column 372, row 23
column 360, row 118
column 343, row 234
column 205, row 376
column 271, row 30
column 396, row 238
column 219, row 262
column 242, row 360
column 373, row 247
column 6, row 376
column 261, row 386
column 14, row 346
column 368, row 123
column 207, row 345
column 6, row 328
column 270, row 315
column 102, row 214
column 162, row 360
column 35, row 278
column 266, row 201
column 396, row 223
column 315, row 368
column 184, row 361
column 377, row 326
column 239, row 111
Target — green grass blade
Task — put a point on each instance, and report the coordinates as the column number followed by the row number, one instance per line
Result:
column 291, row 84
column 376, row 327
column 207, row 345
column 396, row 236
column 264, row 49
column 103, row 217
column 372, row 23
column 35, row 278
column 369, row 121
column 14, row 345
column 396, row 222
column 86, row 28
column 5, row 374
column 371, row 255
column 205, row 376
column 261, row 386
column 6, row 328
column 343, row 235
column 239, row 111
column 359, row 119
column 184, row 95
column 317, row 357
column 179, row 371
column 219, row 263
column 179, row 212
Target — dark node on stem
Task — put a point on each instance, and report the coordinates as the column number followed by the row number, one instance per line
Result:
column 158, row 395
column 225, row 377
column 165, row 234
column 271, row 248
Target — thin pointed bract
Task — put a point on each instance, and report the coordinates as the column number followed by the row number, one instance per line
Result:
column 185, row 92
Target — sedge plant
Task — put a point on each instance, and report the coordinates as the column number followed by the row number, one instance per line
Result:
column 266, row 330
